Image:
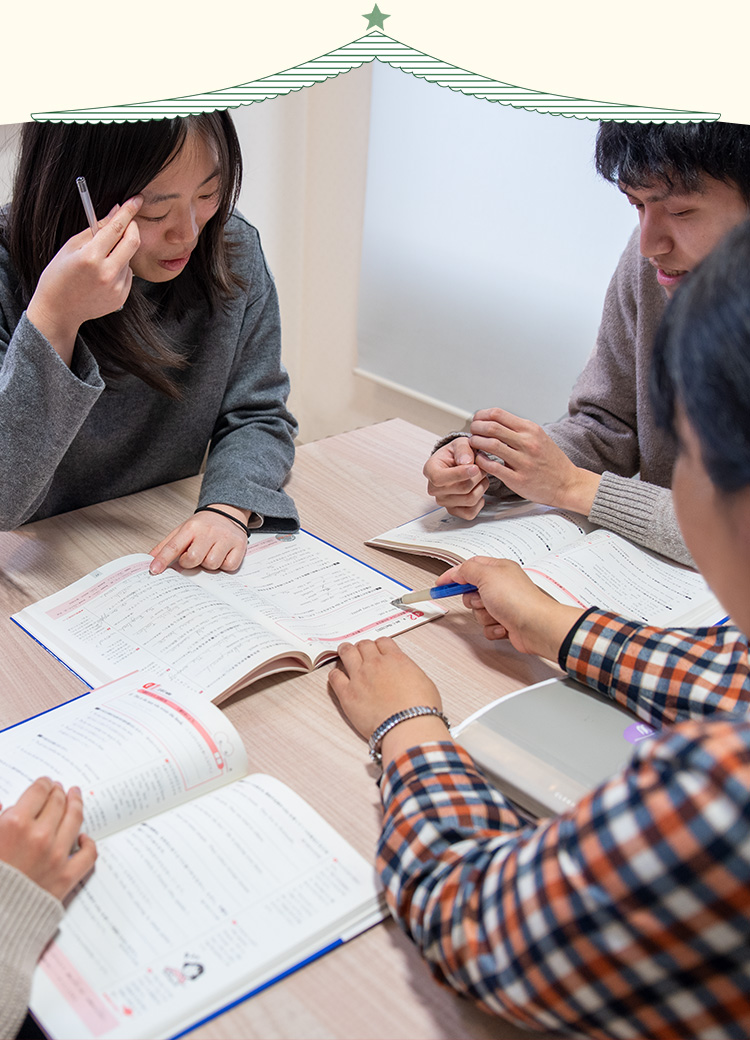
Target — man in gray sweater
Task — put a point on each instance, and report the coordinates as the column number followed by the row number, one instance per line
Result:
column 690, row 183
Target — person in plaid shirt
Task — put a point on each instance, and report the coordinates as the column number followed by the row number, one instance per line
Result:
column 628, row 916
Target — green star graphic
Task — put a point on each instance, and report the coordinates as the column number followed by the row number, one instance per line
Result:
column 375, row 18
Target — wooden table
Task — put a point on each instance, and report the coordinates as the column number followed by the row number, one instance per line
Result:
column 347, row 488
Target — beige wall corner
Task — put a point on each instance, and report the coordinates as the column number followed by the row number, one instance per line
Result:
column 305, row 175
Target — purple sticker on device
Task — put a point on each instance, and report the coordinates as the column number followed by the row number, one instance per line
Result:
column 638, row 731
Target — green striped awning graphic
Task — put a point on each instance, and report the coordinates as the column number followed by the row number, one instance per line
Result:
column 376, row 45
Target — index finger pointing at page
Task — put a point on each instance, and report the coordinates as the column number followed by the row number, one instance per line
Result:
column 169, row 549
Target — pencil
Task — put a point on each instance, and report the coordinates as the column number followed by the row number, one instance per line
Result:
column 88, row 205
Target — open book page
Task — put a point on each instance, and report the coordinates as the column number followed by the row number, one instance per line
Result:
column 569, row 558
column 314, row 594
column 609, row 572
column 293, row 599
column 520, row 532
column 120, row 619
column 134, row 748
column 198, row 907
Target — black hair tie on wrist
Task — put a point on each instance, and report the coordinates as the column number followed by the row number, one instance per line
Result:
column 234, row 519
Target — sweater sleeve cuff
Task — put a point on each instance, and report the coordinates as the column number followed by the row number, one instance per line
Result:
column 83, row 368
column 277, row 509
column 29, row 914
column 641, row 512
column 625, row 505
column 448, row 438
column 29, row 917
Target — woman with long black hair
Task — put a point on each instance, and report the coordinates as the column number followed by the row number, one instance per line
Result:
column 128, row 352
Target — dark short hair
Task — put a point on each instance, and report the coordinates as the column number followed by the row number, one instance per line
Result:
column 701, row 359
column 118, row 160
column 679, row 154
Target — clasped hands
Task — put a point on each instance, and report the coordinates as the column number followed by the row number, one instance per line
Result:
column 531, row 465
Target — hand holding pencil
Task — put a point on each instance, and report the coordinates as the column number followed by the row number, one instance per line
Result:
column 88, row 277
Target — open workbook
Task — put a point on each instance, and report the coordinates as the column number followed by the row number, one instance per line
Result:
column 290, row 604
column 548, row 745
column 575, row 562
column 209, row 883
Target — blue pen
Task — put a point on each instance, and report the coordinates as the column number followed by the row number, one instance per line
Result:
column 437, row 592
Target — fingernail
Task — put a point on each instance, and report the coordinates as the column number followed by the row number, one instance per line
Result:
column 156, row 567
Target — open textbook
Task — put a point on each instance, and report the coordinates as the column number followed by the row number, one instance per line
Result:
column 548, row 745
column 568, row 557
column 288, row 606
column 209, row 883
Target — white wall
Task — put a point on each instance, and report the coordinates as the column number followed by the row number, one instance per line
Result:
column 488, row 245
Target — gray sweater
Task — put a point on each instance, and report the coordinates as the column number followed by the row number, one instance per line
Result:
column 610, row 428
column 29, row 917
column 67, row 440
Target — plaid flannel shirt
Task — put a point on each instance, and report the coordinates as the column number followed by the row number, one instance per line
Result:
column 628, row 916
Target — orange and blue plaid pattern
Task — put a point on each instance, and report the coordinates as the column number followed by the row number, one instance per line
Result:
column 663, row 675
column 628, row 916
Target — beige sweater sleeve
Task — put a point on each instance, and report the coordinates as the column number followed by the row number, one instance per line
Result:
column 29, row 917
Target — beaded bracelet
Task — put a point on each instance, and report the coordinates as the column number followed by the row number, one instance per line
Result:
column 401, row 716
column 234, row 519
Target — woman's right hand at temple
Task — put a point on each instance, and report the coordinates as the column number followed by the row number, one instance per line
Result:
column 89, row 277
